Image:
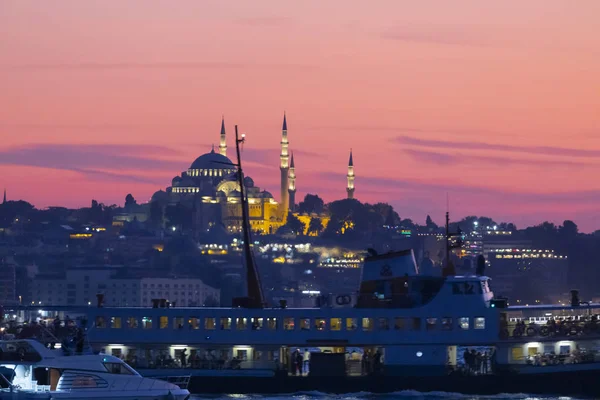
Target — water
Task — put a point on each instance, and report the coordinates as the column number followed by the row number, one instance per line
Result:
column 404, row 395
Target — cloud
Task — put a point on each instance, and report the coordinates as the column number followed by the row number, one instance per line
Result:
column 397, row 186
column 263, row 21
column 114, row 177
column 458, row 158
column 462, row 145
column 270, row 156
column 454, row 36
column 90, row 157
column 189, row 65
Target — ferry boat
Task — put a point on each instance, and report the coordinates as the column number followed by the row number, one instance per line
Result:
column 29, row 370
column 403, row 329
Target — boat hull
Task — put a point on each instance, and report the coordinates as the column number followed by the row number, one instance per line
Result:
column 572, row 383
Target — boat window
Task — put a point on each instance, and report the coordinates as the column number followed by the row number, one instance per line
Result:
column 225, row 324
column 132, row 323
column 272, row 323
column 383, row 324
column 350, row 324
column 164, row 322
column 194, row 323
column 430, row 323
column 447, row 323
column 241, row 323
column 479, row 323
column 209, row 323
column 320, row 324
column 335, row 324
column 305, row 324
column 288, row 324
column 100, row 322
column 416, row 324
column 178, row 323
column 399, row 323
column 257, row 324
column 463, row 322
column 118, row 368
column 115, row 322
column 367, row 324
column 147, row 322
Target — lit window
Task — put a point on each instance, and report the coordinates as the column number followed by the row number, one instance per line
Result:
column 257, row 324
column 305, row 324
column 320, row 324
column 272, row 323
column 147, row 322
column 209, row 323
column 447, row 323
column 479, row 323
column 178, row 323
column 240, row 323
column 225, row 324
column 383, row 324
column 367, row 324
column 164, row 322
column 430, row 323
column 335, row 324
column 132, row 323
column 100, row 322
column 350, row 324
column 463, row 322
column 115, row 322
column 194, row 323
column 288, row 324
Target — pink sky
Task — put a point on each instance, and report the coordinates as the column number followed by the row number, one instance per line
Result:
column 495, row 103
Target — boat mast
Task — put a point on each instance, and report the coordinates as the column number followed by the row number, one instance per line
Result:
column 255, row 297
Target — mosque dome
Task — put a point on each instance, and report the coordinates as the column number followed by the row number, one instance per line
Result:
column 248, row 182
column 212, row 160
column 266, row 195
column 161, row 197
column 176, row 181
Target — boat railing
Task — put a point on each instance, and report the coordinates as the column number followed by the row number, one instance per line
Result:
column 583, row 327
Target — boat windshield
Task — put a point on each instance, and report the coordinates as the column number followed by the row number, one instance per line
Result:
column 118, row 368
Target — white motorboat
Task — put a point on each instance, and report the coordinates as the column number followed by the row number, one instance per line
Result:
column 29, row 370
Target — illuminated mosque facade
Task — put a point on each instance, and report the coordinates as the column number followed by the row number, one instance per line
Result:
column 211, row 189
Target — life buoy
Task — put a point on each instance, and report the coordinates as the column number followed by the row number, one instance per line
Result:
column 544, row 331
column 343, row 300
column 531, row 331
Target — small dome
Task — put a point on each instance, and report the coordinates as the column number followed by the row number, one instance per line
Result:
column 266, row 195
column 212, row 160
column 161, row 197
column 248, row 182
column 176, row 181
column 187, row 182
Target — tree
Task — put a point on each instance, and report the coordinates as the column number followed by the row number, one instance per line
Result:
column 430, row 224
column 315, row 226
column 294, row 224
column 312, row 203
column 129, row 201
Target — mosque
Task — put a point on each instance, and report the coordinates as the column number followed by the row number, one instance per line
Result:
column 211, row 189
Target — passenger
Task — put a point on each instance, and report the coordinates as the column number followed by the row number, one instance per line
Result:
column 305, row 361
column 299, row 360
column 182, row 357
column 485, row 359
column 467, row 360
column 294, row 361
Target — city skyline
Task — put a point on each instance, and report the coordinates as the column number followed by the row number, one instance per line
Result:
column 494, row 104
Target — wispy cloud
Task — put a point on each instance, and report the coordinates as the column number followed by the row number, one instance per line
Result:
column 471, row 145
column 91, row 157
column 115, row 177
column 449, row 36
column 263, row 21
column 461, row 158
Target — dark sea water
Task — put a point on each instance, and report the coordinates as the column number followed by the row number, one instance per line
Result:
column 404, row 395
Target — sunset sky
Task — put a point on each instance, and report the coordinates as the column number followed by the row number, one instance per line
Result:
column 496, row 103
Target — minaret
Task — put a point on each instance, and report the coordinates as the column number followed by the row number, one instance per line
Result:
column 292, row 185
column 284, row 167
column 350, row 176
column 223, row 142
